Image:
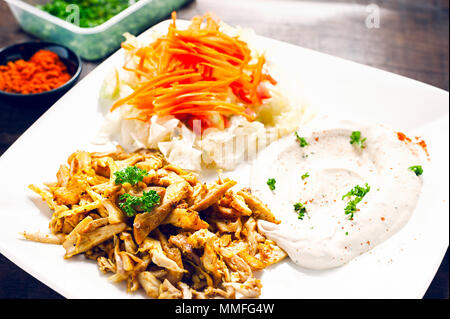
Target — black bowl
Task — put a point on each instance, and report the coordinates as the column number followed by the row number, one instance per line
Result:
column 25, row 51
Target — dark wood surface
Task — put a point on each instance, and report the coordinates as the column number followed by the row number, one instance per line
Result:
column 412, row 40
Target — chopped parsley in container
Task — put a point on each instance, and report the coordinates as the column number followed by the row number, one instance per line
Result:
column 99, row 30
column 91, row 12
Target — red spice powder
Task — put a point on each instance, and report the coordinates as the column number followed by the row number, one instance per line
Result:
column 402, row 137
column 424, row 146
column 43, row 72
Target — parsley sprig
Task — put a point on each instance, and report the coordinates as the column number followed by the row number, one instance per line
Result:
column 306, row 175
column 130, row 174
column 301, row 140
column 417, row 169
column 358, row 193
column 300, row 209
column 130, row 203
column 355, row 138
column 271, row 182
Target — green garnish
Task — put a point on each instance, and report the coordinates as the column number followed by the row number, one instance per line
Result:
column 306, row 175
column 91, row 12
column 301, row 140
column 130, row 174
column 351, row 209
column 355, row 138
column 300, row 209
column 129, row 203
column 271, row 182
column 358, row 192
column 417, row 169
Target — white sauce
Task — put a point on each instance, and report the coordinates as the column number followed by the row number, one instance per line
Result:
column 326, row 237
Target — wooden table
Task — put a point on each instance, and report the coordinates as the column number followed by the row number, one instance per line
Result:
column 411, row 39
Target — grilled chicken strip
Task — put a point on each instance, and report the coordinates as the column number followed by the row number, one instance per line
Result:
column 186, row 219
column 144, row 223
column 259, row 208
column 81, row 239
column 213, row 196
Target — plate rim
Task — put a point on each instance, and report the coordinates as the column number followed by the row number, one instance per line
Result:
column 108, row 62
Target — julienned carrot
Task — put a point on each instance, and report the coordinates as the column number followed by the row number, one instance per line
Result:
column 153, row 83
column 193, row 72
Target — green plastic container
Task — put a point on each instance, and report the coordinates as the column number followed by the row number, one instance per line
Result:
column 97, row 42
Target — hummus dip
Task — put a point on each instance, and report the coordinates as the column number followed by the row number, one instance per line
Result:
column 319, row 234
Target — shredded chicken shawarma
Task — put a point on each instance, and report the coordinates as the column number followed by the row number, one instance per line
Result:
column 199, row 241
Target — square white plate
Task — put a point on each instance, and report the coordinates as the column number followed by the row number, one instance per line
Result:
column 401, row 267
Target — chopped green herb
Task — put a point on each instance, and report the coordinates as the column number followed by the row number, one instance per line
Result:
column 358, row 192
column 306, row 175
column 300, row 209
column 130, row 174
column 271, row 182
column 91, row 13
column 130, row 204
column 351, row 209
column 301, row 140
column 355, row 138
column 346, row 233
column 417, row 169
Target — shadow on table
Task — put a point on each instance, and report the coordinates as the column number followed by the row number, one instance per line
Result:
column 439, row 288
column 17, row 284
column 17, row 117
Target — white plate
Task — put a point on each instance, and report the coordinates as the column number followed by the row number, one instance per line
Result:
column 402, row 267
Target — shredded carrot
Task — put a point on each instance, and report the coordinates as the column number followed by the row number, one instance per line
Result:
column 191, row 74
column 43, row 72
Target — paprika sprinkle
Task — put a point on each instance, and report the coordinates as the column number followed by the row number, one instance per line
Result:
column 43, row 72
